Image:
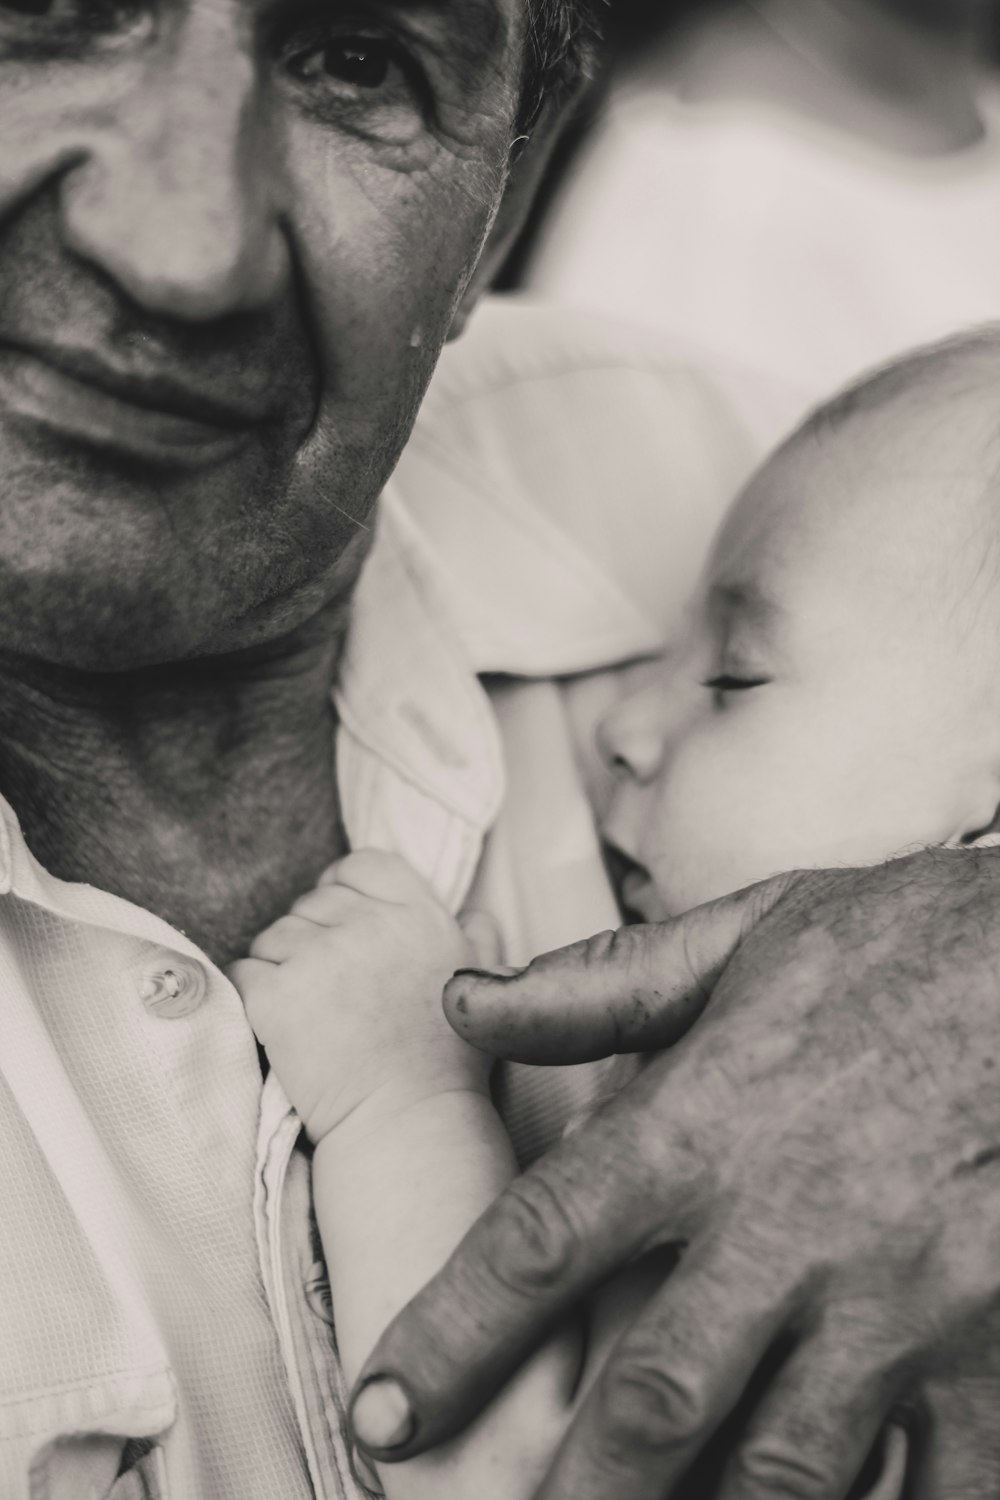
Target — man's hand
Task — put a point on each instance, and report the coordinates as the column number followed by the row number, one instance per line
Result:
column 824, row 1142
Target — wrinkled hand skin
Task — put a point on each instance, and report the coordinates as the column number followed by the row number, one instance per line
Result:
column 824, row 1140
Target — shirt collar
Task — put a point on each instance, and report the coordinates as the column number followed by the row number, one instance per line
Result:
column 408, row 691
column 523, row 596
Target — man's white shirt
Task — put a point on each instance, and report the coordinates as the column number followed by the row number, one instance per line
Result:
column 165, row 1324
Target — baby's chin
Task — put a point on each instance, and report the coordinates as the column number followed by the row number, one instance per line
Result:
column 639, row 898
column 646, row 903
column 636, row 891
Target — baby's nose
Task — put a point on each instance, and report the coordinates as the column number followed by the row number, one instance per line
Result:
column 630, row 738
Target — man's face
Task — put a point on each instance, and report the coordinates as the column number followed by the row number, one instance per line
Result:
column 233, row 234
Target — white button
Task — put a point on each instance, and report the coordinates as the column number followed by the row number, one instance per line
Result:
column 173, row 989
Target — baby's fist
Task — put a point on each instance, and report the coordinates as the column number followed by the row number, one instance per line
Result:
column 344, row 992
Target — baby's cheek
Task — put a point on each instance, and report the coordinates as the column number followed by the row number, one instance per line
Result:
column 685, row 848
column 714, row 828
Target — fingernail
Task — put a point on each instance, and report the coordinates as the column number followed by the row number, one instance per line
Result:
column 381, row 1414
column 502, row 971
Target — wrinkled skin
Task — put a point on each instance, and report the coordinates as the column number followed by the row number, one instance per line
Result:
column 205, row 194
column 824, row 1140
column 234, row 235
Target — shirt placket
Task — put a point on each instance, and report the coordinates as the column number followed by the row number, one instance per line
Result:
column 293, row 1270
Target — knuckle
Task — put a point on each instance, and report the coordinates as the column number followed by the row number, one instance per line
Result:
column 314, row 903
column 693, row 931
column 364, row 864
column 259, row 947
column 355, row 859
column 535, row 1243
column 773, row 1467
column 765, row 895
column 598, row 950
column 648, row 1409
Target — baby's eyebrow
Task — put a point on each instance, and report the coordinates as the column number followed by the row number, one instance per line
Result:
column 744, row 597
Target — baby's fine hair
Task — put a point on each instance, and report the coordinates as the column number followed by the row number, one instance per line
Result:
column 939, row 373
column 925, row 398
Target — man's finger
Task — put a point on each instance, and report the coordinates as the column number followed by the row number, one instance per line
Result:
column 817, row 1430
column 634, row 990
column 556, row 1232
column 669, row 1383
column 957, row 1452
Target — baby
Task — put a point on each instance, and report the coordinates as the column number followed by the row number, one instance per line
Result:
column 833, row 699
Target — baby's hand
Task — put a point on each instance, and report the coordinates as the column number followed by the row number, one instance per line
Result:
column 344, row 993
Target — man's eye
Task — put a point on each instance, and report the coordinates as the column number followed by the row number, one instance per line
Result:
column 369, row 84
column 360, row 62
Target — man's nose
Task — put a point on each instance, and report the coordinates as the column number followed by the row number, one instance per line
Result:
column 177, row 200
column 632, row 737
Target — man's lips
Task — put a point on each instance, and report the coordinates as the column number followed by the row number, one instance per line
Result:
column 141, row 415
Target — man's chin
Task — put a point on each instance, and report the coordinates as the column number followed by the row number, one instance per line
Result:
column 99, row 582
column 110, row 561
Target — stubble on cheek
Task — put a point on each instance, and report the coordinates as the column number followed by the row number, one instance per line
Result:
column 387, row 273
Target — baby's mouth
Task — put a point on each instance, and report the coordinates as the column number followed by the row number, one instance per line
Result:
column 633, row 886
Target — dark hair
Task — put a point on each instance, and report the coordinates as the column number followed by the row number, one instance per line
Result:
column 560, row 48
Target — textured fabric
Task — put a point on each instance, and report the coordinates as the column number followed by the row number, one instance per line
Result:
column 164, row 1327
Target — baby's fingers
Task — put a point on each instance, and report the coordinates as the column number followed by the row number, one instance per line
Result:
column 328, row 905
column 374, row 873
column 254, row 979
column 482, row 934
column 285, row 937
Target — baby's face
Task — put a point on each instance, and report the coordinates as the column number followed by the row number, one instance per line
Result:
column 820, row 707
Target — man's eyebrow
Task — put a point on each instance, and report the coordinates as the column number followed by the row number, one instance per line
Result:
column 480, row 27
column 472, row 34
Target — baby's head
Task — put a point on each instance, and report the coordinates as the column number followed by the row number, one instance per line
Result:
column 834, row 696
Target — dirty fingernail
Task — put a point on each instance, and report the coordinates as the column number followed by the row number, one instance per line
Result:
column 502, row 971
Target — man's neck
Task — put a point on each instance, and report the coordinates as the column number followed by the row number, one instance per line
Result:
column 204, row 791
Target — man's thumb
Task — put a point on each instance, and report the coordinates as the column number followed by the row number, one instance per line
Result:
column 634, row 990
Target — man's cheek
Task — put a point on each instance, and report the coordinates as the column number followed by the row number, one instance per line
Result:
column 382, row 278
column 344, row 188
column 52, row 116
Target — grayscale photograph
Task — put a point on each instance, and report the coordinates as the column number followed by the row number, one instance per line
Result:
column 499, row 749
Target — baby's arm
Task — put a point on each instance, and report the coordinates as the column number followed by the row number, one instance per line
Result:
column 345, row 995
